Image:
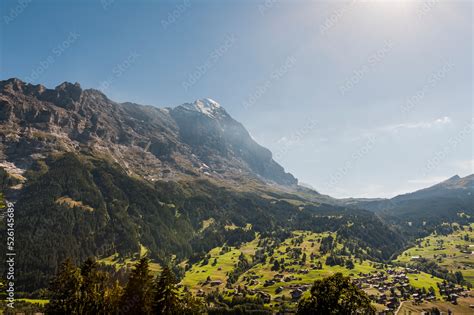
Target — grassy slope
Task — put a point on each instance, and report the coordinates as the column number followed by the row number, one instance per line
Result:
column 194, row 279
column 34, row 301
column 454, row 260
column 114, row 260
column 225, row 263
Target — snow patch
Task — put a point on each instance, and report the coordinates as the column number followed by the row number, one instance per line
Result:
column 205, row 106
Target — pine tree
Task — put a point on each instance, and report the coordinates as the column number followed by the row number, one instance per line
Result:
column 349, row 264
column 93, row 288
column 166, row 299
column 276, row 265
column 137, row 296
column 112, row 298
column 66, row 290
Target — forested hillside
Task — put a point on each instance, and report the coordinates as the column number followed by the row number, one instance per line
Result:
column 78, row 206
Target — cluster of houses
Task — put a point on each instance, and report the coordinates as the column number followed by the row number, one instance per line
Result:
column 386, row 288
column 389, row 287
column 451, row 291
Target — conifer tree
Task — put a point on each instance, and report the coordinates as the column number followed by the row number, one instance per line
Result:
column 93, row 288
column 112, row 298
column 66, row 290
column 137, row 296
column 166, row 299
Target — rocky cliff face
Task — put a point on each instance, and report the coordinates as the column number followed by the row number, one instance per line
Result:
column 198, row 139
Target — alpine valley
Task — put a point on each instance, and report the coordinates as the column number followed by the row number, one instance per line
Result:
column 189, row 188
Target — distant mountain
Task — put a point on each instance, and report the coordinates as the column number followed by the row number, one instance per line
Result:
column 443, row 202
column 460, row 187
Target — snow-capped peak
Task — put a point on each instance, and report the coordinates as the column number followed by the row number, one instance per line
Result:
column 208, row 103
column 206, row 106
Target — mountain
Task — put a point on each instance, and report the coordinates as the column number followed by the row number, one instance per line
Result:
column 444, row 202
column 454, row 187
column 92, row 177
column 198, row 139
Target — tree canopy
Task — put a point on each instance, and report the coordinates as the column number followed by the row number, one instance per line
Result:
column 336, row 295
column 89, row 290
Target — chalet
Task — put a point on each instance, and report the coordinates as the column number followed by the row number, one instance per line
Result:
column 296, row 294
column 392, row 305
column 278, row 276
column 453, row 298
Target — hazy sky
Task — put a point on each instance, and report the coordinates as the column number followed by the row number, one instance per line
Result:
column 358, row 98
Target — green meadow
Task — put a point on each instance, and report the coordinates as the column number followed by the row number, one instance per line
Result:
column 453, row 251
column 221, row 262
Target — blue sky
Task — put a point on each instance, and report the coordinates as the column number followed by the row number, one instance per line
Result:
column 357, row 98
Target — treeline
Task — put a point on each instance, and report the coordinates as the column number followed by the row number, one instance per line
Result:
column 89, row 290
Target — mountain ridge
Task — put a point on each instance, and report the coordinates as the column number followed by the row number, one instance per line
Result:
column 448, row 201
column 129, row 131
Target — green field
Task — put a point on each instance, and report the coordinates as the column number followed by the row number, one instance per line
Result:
column 218, row 266
column 34, row 301
column 220, row 263
column 453, row 251
column 119, row 262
